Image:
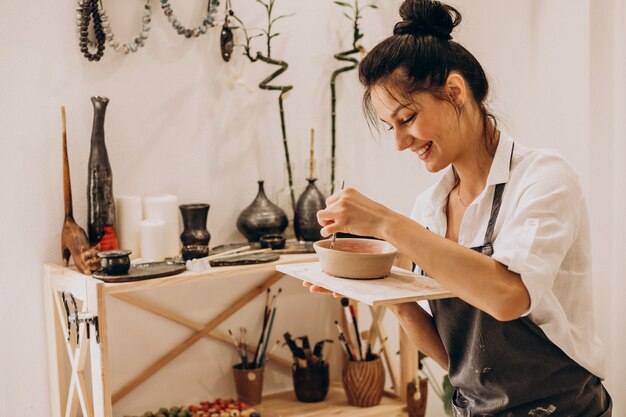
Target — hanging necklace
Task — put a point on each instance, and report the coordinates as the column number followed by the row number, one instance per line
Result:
column 88, row 10
column 226, row 36
column 139, row 40
column 209, row 19
column 458, row 195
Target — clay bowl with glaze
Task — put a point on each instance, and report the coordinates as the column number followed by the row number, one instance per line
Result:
column 356, row 258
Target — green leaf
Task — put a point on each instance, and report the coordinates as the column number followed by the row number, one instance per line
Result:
column 281, row 17
column 373, row 6
column 349, row 18
column 342, row 3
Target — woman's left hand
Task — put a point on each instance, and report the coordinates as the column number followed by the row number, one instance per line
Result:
column 349, row 211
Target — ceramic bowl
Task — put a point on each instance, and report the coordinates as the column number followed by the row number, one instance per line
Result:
column 115, row 262
column 356, row 258
column 272, row 241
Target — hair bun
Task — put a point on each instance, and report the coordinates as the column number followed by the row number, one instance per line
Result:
column 427, row 18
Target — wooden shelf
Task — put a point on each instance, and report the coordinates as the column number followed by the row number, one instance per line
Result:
column 286, row 405
column 69, row 368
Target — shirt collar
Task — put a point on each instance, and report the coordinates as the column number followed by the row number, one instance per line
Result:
column 498, row 173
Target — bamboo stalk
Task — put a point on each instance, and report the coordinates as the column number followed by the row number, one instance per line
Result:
column 312, row 155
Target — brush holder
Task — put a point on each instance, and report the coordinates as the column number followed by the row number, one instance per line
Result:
column 364, row 382
column 311, row 383
column 249, row 384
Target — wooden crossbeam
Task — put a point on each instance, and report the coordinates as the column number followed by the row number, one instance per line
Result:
column 177, row 318
column 191, row 340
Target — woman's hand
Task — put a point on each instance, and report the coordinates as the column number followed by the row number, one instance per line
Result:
column 320, row 290
column 349, row 211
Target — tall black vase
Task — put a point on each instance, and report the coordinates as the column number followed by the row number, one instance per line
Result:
column 194, row 224
column 262, row 217
column 100, row 202
column 305, row 218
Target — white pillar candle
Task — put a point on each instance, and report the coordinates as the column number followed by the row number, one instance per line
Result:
column 128, row 218
column 165, row 208
column 153, row 240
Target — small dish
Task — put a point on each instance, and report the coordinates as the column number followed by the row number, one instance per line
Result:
column 273, row 241
column 356, row 258
column 115, row 262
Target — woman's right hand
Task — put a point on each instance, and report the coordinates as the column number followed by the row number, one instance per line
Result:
column 320, row 290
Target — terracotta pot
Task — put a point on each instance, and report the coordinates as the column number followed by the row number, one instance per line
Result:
column 364, row 382
column 356, row 258
column 311, row 384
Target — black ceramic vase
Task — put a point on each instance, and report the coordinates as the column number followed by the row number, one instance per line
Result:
column 194, row 224
column 262, row 217
column 100, row 202
column 305, row 221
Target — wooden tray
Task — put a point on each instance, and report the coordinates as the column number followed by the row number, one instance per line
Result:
column 400, row 286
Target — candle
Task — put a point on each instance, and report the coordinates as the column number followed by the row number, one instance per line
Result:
column 128, row 216
column 153, row 240
column 165, row 208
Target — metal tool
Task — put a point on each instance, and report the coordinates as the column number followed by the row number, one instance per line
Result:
column 76, row 318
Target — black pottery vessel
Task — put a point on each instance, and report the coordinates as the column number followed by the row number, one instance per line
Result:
column 100, row 202
column 194, row 224
column 262, row 217
column 305, row 221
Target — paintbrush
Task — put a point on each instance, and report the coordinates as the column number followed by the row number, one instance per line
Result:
column 344, row 342
column 356, row 327
column 241, row 355
column 265, row 317
column 269, row 332
column 332, row 242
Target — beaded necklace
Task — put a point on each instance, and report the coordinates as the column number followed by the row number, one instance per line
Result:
column 138, row 42
column 209, row 19
column 88, row 10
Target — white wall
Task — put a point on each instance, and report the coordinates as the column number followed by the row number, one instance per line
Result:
column 174, row 126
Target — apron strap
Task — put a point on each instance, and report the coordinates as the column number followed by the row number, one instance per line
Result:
column 495, row 209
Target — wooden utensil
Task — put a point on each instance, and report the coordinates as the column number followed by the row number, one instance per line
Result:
column 74, row 241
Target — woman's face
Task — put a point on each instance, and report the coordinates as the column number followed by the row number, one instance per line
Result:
column 427, row 126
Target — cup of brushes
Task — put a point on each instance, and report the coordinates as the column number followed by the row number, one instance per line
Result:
column 248, row 373
column 363, row 376
column 310, row 368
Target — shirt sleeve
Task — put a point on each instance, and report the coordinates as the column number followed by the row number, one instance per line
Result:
column 534, row 241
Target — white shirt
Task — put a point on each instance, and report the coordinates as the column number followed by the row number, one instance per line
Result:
column 542, row 233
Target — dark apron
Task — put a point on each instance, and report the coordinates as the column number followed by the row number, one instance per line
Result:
column 511, row 368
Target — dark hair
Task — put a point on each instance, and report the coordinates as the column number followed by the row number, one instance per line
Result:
column 419, row 57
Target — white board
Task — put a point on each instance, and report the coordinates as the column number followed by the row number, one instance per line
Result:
column 399, row 287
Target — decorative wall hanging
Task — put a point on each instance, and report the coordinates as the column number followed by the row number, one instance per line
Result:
column 74, row 241
column 139, row 40
column 311, row 201
column 265, row 84
column 100, row 202
column 226, row 35
column 87, row 11
column 208, row 21
column 344, row 56
column 261, row 217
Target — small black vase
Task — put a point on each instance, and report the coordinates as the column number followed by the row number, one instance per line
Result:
column 100, row 202
column 194, row 224
column 305, row 221
column 262, row 217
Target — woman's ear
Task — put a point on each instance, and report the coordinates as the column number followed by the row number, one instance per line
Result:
column 457, row 89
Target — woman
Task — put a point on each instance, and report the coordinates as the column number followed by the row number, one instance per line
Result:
column 505, row 230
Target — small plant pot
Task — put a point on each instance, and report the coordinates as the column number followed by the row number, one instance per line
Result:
column 364, row 382
column 249, row 384
column 115, row 262
column 311, row 384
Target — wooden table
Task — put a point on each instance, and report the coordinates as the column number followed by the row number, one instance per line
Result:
column 97, row 398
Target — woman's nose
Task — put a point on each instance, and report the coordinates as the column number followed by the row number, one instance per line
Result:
column 403, row 140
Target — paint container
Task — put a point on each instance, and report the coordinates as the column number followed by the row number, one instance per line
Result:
column 364, row 382
column 249, row 384
column 310, row 383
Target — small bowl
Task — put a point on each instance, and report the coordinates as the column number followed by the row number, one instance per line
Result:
column 356, row 258
column 194, row 251
column 115, row 262
column 273, row 241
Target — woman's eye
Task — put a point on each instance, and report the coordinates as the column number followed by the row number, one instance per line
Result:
column 408, row 119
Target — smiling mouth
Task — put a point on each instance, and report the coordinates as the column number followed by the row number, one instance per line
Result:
column 422, row 151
